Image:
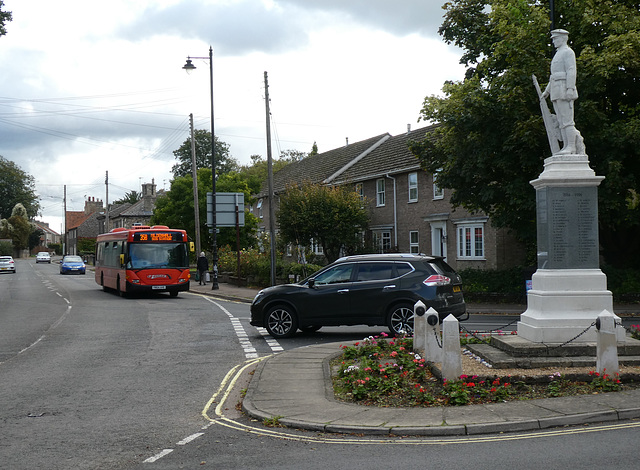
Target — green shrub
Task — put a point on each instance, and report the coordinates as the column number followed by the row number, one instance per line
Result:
column 506, row 281
column 258, row 265
column 6, row 248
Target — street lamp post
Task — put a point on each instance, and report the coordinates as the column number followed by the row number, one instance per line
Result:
column 189, row 67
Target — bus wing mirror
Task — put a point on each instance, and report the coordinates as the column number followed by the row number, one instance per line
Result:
column 192, row 246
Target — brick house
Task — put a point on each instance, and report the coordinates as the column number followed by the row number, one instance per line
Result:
column 49, row 236
column 408, row 211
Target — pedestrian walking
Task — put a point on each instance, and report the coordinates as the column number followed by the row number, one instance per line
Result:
column 203, row 268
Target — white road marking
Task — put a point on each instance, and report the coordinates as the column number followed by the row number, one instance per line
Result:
column 272, row 342
column 245, row 343
column 190, row 438
column 158, row 456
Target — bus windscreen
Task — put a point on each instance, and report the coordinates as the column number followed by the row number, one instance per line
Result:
column 157, row 255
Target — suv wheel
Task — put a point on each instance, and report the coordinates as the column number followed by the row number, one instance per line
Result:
column 400, row 320
column 281, row 322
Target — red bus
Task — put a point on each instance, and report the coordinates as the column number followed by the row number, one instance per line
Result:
column 143, row 259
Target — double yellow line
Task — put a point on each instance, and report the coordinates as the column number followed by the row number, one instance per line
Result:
column 234, row 375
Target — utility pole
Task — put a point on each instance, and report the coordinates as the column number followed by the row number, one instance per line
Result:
column 272, row 230
column 106, row 212
column 194, row 171
column 64, row 200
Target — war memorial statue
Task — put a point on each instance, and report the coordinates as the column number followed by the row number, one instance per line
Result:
column 568, row 290
column 562, row 91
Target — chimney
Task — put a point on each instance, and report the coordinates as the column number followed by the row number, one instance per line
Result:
column 408, row 128
column 347, row 139
column 149, row 196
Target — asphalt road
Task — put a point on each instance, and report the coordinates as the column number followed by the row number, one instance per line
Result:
column 92, row 381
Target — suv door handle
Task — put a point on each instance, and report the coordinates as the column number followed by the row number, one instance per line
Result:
column 389, row 287
column 343, row 291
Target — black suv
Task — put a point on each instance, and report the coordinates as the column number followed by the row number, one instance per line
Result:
column 361, row 290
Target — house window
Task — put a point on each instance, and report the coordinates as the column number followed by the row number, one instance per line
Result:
column 316, row 247
column 259, row 207
column 382, row 241
column 471, row 241
column 414, row 245
column 413, row 187
column 360, row 192
column 380, row 192
column 438, row 192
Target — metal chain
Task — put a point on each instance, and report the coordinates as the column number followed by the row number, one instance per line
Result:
column 500, row 327
column 462, row 327
column 572, row 339
column 435, row 333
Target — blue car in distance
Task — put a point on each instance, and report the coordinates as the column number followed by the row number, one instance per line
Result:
column 72, row 264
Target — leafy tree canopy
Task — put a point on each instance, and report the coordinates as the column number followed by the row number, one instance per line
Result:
column 130, row 197
column 333, row 217
column 5, row 17
column 256, row 174
column 224, row 161
column 175, row 208
column 17, row 227
column 492, row 140
column 16, row 187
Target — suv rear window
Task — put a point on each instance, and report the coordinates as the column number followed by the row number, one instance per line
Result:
column 442, row 267
column 403, row 268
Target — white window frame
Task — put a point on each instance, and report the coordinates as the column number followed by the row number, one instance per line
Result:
column 414, row 241
column 412, row 183
column 438, row 192
column 380, row 192
column 471, row 241
column 259, row 207
column 316, row 248
column 382, row 240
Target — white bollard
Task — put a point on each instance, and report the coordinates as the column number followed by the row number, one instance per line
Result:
column 607, row 344
column 433, row 348
column 419, row 327
column 451, row 356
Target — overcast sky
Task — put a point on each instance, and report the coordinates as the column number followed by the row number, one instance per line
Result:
column 88, row 87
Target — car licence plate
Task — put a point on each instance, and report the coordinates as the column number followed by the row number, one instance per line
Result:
column 456, row 288
column 158, row 287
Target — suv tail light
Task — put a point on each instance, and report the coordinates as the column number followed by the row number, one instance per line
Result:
column 436, row 280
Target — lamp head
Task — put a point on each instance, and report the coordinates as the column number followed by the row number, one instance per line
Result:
column 189, row 67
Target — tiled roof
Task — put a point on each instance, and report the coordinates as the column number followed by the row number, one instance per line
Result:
column 318, row 168
column 75, row 219
column 45, row 228
column 370, row 158
column 393, row 156
column 137, row 210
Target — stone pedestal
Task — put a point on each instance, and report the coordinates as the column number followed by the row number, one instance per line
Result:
column 568, row 290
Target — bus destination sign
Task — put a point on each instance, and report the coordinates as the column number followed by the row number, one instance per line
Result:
column 157, row 237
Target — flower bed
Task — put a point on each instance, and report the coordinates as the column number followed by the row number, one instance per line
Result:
column 384, row 371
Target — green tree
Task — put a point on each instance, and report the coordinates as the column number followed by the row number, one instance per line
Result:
column 224, row 161
column 492, row 142
column 130, row 197
column 331, row 216
column 34, row 237
column 16, row 186
column 256, row 173
column 5, row 17
column 17, row 227
column 175, row 208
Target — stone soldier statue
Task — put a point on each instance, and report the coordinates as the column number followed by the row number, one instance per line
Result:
column 562, row 91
